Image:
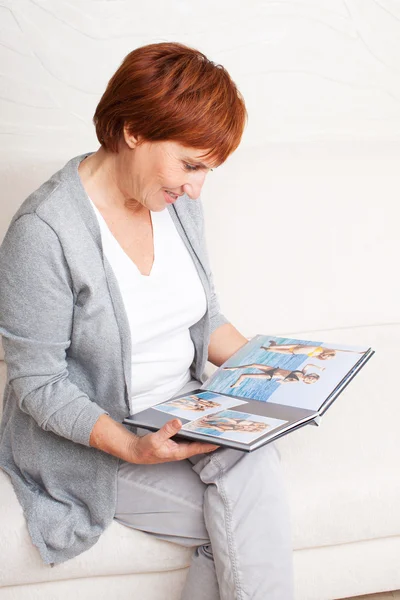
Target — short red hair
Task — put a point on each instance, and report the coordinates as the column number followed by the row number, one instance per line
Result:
column 169, row 91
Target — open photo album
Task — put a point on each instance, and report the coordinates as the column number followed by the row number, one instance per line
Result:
column 268, row 388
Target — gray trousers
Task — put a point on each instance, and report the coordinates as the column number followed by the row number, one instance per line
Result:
column 230, row 505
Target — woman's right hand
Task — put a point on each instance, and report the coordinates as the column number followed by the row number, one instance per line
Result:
column 158, row 447
column 114, row 438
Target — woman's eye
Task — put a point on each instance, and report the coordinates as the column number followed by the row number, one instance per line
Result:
column 190, row 167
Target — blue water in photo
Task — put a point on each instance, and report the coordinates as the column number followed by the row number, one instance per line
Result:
column 252, row 388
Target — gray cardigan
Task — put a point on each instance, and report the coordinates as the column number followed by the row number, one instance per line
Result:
column 67, row 348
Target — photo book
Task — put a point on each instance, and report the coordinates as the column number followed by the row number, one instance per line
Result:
column 268, row 388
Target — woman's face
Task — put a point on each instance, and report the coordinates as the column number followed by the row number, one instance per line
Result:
column 157, row 173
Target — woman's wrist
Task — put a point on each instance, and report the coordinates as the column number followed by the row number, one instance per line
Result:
column 113, row 438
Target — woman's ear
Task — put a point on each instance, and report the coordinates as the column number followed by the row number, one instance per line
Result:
column 130, row 139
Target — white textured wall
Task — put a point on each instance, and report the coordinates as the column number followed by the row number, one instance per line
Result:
column 311, row 240
column 313, row 70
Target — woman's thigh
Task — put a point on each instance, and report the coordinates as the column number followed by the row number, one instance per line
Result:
column 164, row 499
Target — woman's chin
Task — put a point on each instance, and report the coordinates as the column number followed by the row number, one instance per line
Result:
column 158, row 207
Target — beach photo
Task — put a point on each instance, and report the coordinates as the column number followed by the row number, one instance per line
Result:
column 194, row 405
column 234, row 425
column 270, row 369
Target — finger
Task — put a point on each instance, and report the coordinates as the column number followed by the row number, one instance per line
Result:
column 167, row 431
column 193, row 448
column 199, row 447
column 207, row 448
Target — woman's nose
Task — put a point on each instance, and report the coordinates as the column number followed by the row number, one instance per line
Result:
column 193, row 187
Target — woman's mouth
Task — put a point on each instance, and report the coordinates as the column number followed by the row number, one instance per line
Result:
column 170, row 196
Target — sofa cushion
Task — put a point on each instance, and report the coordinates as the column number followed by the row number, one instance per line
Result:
column 343, row 476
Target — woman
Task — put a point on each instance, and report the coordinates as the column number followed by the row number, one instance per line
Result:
column 108, row 307
column 276, row 373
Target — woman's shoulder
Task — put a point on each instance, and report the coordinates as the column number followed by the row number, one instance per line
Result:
column 54, row 203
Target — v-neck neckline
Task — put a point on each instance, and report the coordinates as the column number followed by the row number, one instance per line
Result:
column 121, row 250
column 185, row 219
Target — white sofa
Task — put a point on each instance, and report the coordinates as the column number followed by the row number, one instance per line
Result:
column 342, row 477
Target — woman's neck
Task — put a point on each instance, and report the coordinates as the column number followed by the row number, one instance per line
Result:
column 101, row 177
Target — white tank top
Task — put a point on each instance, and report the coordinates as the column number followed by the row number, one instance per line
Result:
column 160, row 308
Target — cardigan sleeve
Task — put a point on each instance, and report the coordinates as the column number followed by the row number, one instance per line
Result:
column 36, row 310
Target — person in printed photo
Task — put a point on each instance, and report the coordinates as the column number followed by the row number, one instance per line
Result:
column 222, row 424
column 193, row 403
column 276, row 373
column 312, row 351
